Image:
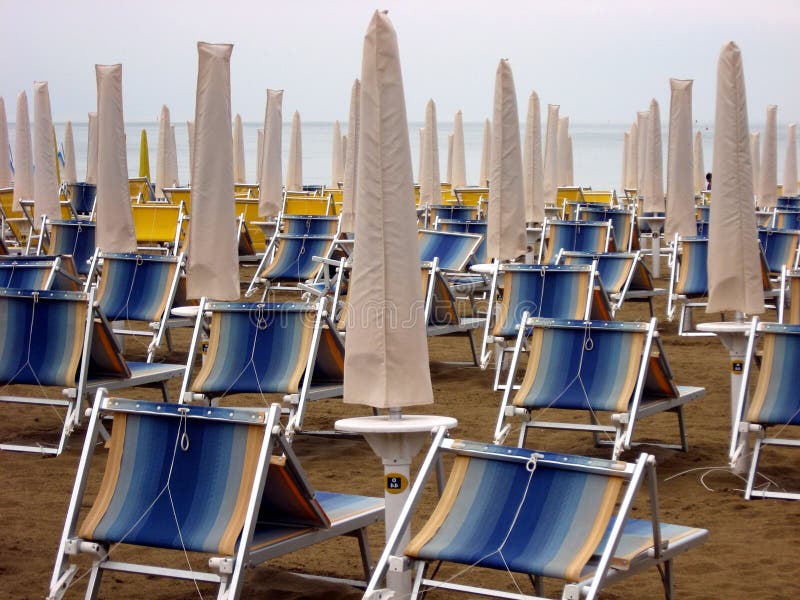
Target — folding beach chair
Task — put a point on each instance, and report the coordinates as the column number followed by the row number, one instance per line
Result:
column 688, row 281
column 298, row 203
column 441, row 311
column 453, row 251
column 576, row 236
column 138, row 288
column 624, row 275
column 81, row 196
column 75, row 238
column 61, row 339
column 774, row 404
column 780, row 248
column 616, row 368
column 218, row 481
column 54, row 273
column 475, row 227
column 622, row 224
column 290, row 348
column 457, row 212
column 549, row 291
column 534, row 513
column 159, row 227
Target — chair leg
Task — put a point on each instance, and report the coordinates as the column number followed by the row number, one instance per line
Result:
column 682, row 429
column 366, row 558
column 164, row 391
column 751, row 476
column 475, row 360
column 93, row 585
column 523, row 435
column 666, row 579
column 499, row 358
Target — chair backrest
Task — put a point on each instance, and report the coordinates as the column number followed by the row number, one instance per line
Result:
column 81, row 195
column 456, row 212
column 75, row 238
column 548, row 291
column 581, row 236
column 471, row 196
column 472, row 226
column 246, row 190
column 440, row 303
column 178, row 195
column 614, row 268
column 621, row 222
column 302, row 204
column 790, row 288
column 309, row 225
column 136, row 287
column 691, row 278
column 157, row 223
column 26, row 274
column 780, row 247
column 140, row 189
column 608, row 197
column 293, row 259
column 453, row 250
column 787, row 218
column 568, row 194
column 247, row 207
column 775, row 400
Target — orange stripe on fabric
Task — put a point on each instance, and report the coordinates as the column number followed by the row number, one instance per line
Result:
column 764, row 377
column 78, row 335
column 534, row 357
column 302, row 353
column 211, row 357
column 632, row 373
column 502, row 313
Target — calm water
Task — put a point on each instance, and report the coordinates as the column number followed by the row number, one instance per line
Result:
column 597, row 149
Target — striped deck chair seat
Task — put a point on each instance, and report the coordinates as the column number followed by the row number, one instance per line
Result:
column 234, row 490
column 289, row 260
column 452, row 250
column 139, row 288
column 622, row 221
column 780, row 247
column 688, row 282
column 480, row 256
column 290, row 348
column 159, row 226
column 297, row 203
column 596, row 367
column 73, row 238
column 580, row 236
column 456, row 212
column 471, row 196
column 774, row 403
column 537, row 514
column 309, row 225
column 786, row 218
column 81, row 195
column 55, row 273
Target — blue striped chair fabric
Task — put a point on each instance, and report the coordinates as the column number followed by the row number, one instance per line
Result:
column 135, row 287
column 76, row 238
column 580, row 236
column 456, row 212
column 775, row 400
column 293, row 260
column 25, row 275
column 692, row 268
column 614, row 268
column 474, row 226
column 309, row 225
column 453, row 250
column 621, row 222
column 780, row 247
column 786, row 218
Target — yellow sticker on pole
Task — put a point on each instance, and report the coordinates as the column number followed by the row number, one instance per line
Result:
column 396, row 483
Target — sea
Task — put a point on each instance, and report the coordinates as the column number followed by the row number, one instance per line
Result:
column 597, row 149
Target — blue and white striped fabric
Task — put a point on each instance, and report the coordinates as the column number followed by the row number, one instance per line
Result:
column 75, row 238
column 25, row 274
column 578, row 236
column 692, row 279
column 471, row 226
column 452, row 249
column 776, row 400
column 293, row 261
column 621, row 221
column 309, row 225
column 780, row 247
column 613, row 267
column 135, row 287
column 456, row 212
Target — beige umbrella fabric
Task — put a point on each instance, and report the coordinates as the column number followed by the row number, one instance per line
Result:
column 755, row 156
column 270, row 191
column 347, row 219
column 162, row 152
column 570, row 162
column 114, row 232
column 337, row 160
column 654, row 163
column 459, row 175
column 550, row 177
column 430, row 188
column 386, row 359
column 698, row 168
column 768, row 176
column 294, row 166
column 449, row 177
column 532, row 167
column 239, row 170
column 680, row 195
column 642, row 129
column 190, row 135
column 69, row 173
column 633, row 160
column 259, row 152
column 45, row 178
column 23, row 153
column 734, row 268
column 790, row 164
column 562, row 149
column 172, row 159
column 213, row 264
column 5, row 153
column 486, row 154
column 506, row 238
column 343, row 155
column 626, row 152
column 91, row 149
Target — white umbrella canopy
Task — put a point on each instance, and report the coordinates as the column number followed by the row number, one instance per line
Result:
column 430, row 188
column 212, row 266
column 459, row 175
column 23, row 153
column 68, row 173
column 633, row 159
column 698, row 168
column 734, row 267
column 562, row 149
column 654, row 163
column 755, row 156
column 550, row 177
column 5, row 153
column 642, row 130
column 347, row 218
column 532, row 166
column 790, row 164
column 294, row 166
column 768, row 176
column 570, row 162
column 680, row 216
column 162, row 152
column 172, row 159
column 259, row 152
column 337, row 160
column 270, row 191
column 114, row 231
column 190, row 135
column 45, row 178
column 506, row 238
column 91, row 149
column 486, row 154
column 449, row 175
column 239, row 170
column 386, row 359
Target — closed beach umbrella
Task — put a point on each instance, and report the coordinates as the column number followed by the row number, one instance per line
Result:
column 337, row 160
column 351, row 162
column 172, row 159
column 755, row 156
column 642, row 129
column 144, row 155
column 430, row 189
column 385, row 366
column 506, row 238
column 91, row 149
column 162, row 152
column 486, row 154
column 23, row 153
column 654, row 163
column 449, row 176
column 190, row 135
column 562, row 149
column 5, row 150
column 270, row 192
column 768, row 176
column 734, row 268
column 213, row 263
column 344, row 155
column 259, row 153
column 698, row 168
column 115, row 231
column 633, row 160
column 532, row 166
column 626, row 152
column 680, row 195
column 294, row 166
column 421, row 169
column 790, row 166
column 570, row 162
column 459, row 175
column 239, row 172
column 69, row 173
column 45, row 178
column 550, row 178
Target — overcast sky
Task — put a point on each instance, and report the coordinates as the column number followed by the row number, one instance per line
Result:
column 601, row 60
